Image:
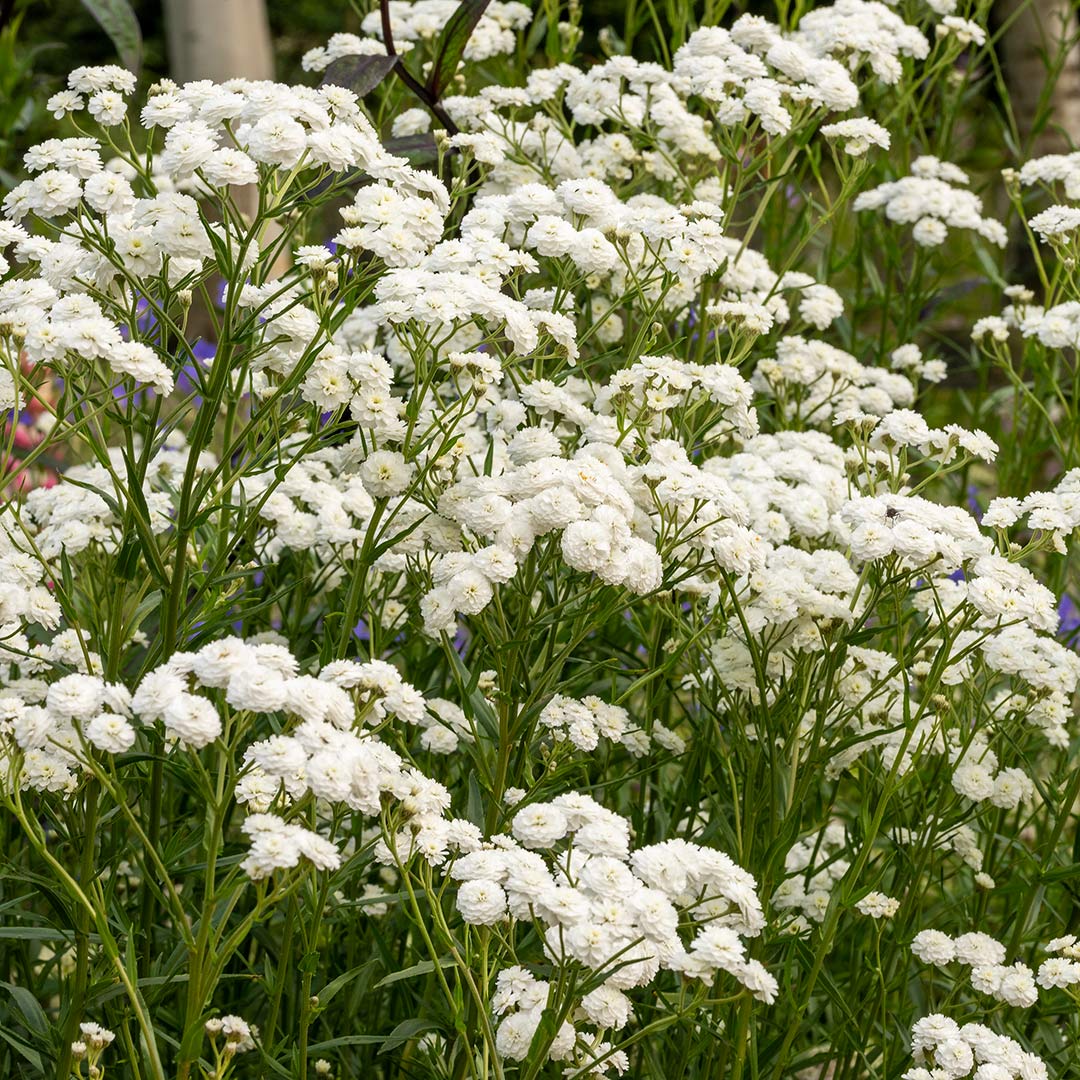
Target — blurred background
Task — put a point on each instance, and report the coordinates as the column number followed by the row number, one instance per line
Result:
column 41, row 40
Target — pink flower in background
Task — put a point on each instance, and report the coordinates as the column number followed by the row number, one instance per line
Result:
column 31, row 425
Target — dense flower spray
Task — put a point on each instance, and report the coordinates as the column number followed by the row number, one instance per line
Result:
column 531, row 583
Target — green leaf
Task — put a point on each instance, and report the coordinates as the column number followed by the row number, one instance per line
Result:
column 360, row 74
column 475, row 811
column 331, row 988
column 481, row 710
column 34, row 933
column 406, row 1030
column 420, row 149
column 451, row 44
column 27, row 1052
column 31, row 1009
column 425, row 967
column 117, row 19
column 345, row 1040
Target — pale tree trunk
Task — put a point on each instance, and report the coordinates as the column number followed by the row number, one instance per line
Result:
column 218, row 39
column 1040, row 38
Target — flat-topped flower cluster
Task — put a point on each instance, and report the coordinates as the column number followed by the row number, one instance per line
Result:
column 516, row 563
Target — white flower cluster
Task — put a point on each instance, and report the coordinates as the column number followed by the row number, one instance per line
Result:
column 521, row 998
column 614, row 910
column 819, row 384
column 214, row 136
column 1057, row 224
column 877, row 905
column 754, row 74
column 397, row 225
column 953, row 1050
column 51, row 738
column 1062, row 969
column 91, row 1044
column 322, row 755
column 603, row 507
column 24, row 596
column 328, row 499
column 858, row 135
column 1056, row 327
column 69, row 517
column 583, row 723
column 930, row 200
column 812, row 868
column 1012, row 984
column 1053, row 169
column 465, row 408
column 975, row 778
column 422, row 21
column 278, row 845
column 860, row 32
column 604, row 906
column 239, row 1034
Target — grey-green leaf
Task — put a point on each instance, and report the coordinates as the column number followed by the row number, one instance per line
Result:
column 360, row 74
column 451, row 44
column 117, row 19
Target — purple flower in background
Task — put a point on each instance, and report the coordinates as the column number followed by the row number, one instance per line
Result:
column 973, row 502
column 145, row 322
column 137, row 397
column 1068, row 620
column 189, row 378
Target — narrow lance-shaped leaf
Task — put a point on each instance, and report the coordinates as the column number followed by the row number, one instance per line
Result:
column 117, row 19
column 452, row 42
column 360, row 74
column 421, row 149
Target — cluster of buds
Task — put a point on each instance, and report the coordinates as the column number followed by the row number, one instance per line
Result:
column 89, row 1048
column 239, row 1037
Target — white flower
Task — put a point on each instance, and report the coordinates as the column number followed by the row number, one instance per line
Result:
column 276, row 139
column 973, row 780
column 481, row 903
column 1017, row 987
column 877, row 905
column 758, row 981
column 933, row 947
column 965, row 31
column 607, row 1007
column 111, row 733
column 1058, row 972
column 515, row 1034
column 978, row 949
column 1056, row 222
column 539, row 825
column 386, row 473
column 859, row 134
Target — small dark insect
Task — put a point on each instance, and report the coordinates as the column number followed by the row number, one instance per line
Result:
column 892, row 512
